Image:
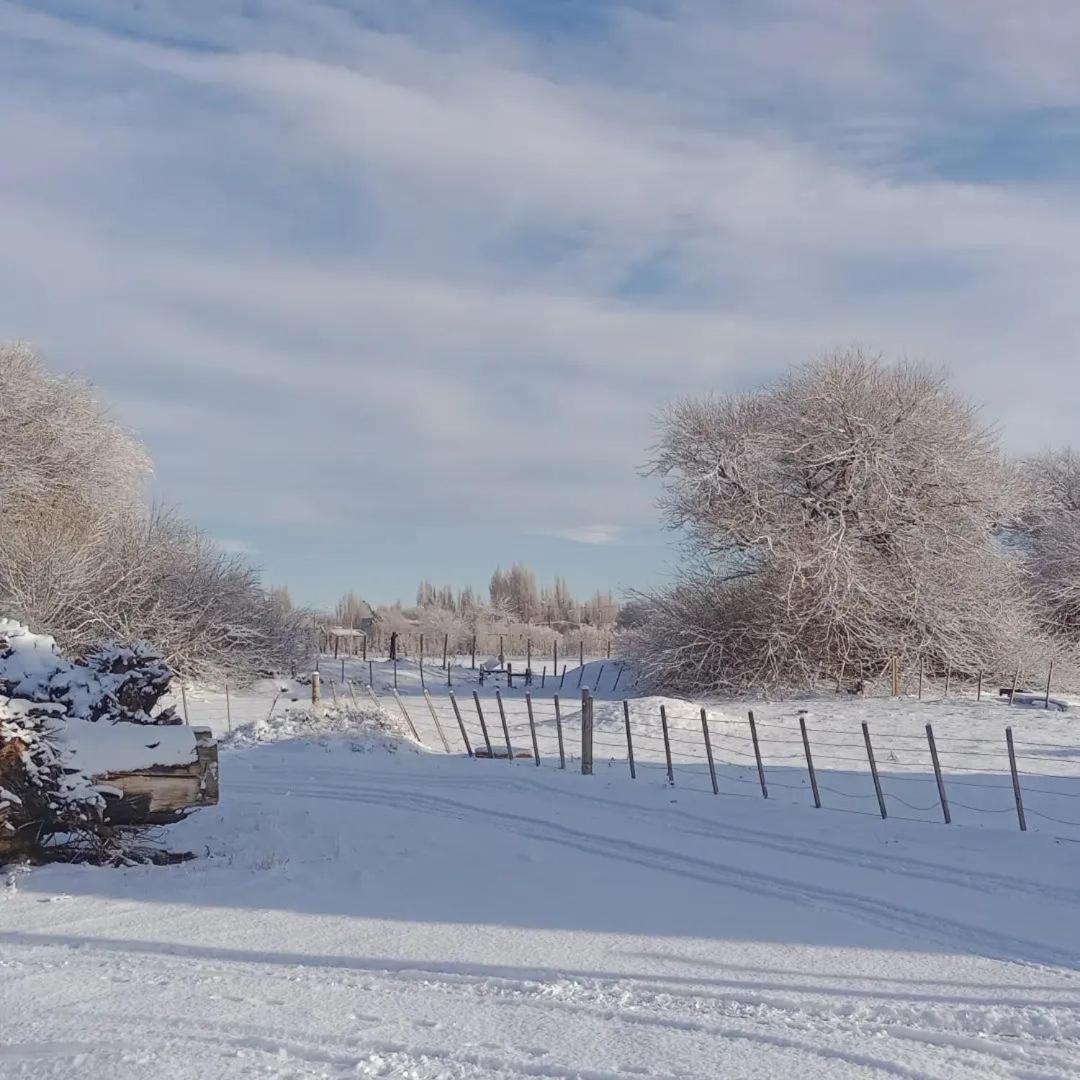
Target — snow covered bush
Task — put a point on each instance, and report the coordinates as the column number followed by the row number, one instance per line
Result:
column 848, row 513
column 84, row 558
column 42, row 793
column 1052, row 541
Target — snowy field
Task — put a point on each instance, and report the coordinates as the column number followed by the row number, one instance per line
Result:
column 364, row 907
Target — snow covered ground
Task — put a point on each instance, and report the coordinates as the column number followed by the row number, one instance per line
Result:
column 362, row 907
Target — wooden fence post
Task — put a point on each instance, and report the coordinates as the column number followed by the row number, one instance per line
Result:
column 408, row 718
column 599, row 676
column 474, row 652
column 543, row 677
column 314, row 691
column 1015, row 779
column 461, row 725
column 183, row 701
column 506, row 730
column 586, row 733
column 555, row 657
column 629, row 739
column 435, row 717
column 609, row 648
column 948, row 679
column 1049, row 676
column 667, row 746
column 563, row 679
column 809, row 758
column 528, row 656
column 757, row 756
column 558, row 729
column 581, row 652
column 873, row 769
column 395, row 672
column 483, row 725
column 937, row 774
column 532, row 728
column 708, row 751
column 445, row 645
column 978, row 688
column 1015, row 683
column 920, row 677
column 228, row 705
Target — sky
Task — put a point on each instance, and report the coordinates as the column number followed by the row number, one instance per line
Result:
column 396, row 290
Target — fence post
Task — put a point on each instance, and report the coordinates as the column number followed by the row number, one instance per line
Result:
column 708, row 751
column 435, row 717
column 371, row 693
column 228, row 705
column 528, row 656
column 667, row 746
column 618, row 676
column 483, row 725
column 586, row 733
column 1015, row 682
column 506, row 730
column 1049, row 676
column 809, row 759
column 978, row 688
column 1015, row 779
column 423, row 685
column 555, row 658
column 474, row 652
column 461, row 725
column 563, row 679
column 408, row 718
column 365, row 647
column 599, row 676
column 581, row 652
column 937, row 774
column 532, row 728
column 873, row 769
column 183, row 701
column 629, row 739
column 609, row 648
column 920, row 677
column 558, row 729
column 757, row 756
column 314, row 691
column 543, row 677
column 395, row 672
column 948, row 679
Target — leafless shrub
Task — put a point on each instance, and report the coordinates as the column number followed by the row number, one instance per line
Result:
column 1051, row 539
column 847, row 514
column 84, row 559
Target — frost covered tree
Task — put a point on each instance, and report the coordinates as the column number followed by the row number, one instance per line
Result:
column 845, row 514
column 84, row 558
column 1051, row 530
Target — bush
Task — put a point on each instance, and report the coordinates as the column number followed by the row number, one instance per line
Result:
column 847, row 514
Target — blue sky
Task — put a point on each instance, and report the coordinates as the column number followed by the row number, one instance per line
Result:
column 395, row 290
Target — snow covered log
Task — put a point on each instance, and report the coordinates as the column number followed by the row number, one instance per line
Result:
column 156, row 794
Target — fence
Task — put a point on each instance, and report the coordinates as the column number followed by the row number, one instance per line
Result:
column 883, row 772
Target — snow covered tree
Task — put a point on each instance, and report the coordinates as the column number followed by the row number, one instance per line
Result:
column 843, row 515
column 83, row 557
column 1051, row 530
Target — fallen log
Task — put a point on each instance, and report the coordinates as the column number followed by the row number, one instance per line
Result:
column 161, row 794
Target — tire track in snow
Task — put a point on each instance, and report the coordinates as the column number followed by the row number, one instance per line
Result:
column 931, row 927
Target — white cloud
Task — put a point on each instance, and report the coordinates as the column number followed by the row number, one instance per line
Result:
column 397, row 269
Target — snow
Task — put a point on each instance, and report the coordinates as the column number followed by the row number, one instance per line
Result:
column 97, row 748
column 359, row 908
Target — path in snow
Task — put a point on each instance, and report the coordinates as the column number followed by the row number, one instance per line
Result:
column 412, row 915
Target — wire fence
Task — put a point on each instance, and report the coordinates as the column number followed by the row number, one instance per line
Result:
column 884, row 773
column 889, row 767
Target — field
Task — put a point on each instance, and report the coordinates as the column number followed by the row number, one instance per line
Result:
column 362, row 906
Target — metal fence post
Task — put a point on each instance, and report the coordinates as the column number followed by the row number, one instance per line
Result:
column 937, row 774
column 809, row 759
column 629, row 739
column 757, row 756
column 1015, row 779
column 708, row 751
column 873, row 769
column 461, row 725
